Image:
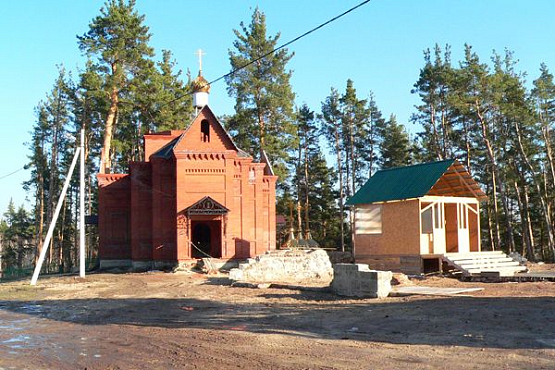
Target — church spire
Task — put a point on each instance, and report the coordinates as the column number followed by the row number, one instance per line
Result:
column 201, row 87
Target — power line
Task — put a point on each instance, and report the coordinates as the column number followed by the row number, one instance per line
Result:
column 276, row 49
column 14, row 172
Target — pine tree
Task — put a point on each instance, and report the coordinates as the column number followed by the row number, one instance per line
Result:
column 434, row 87
column 395, row 147
column 355, row 139
column 39, row 172
column 324, row 224
column 544, row 99
column 372, row 130
column 332, row 130
column 161, row 100
column 314, row 184
column 263, row 95
column 118, row 40
column 17, row 235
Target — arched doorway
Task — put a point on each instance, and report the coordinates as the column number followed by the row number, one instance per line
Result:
column 202, row 239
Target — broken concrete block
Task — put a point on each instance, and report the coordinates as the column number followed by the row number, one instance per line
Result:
column 289, row 266
column 236, row 274
column 357, row 280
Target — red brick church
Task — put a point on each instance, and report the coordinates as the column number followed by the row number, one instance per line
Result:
column 195, row 195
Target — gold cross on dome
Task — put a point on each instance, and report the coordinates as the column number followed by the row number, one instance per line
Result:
column 200, row 53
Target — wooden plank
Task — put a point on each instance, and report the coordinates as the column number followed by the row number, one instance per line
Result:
column 424, row 290
column 515, row 268
column 487, row 261
column 474, row 254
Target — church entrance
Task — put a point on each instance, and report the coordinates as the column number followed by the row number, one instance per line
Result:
column 206, row 238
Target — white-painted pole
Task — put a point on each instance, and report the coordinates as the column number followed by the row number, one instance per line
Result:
column 54, row 218
column 82, row 207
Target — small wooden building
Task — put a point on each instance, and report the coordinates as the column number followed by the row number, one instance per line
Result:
column 407, row 218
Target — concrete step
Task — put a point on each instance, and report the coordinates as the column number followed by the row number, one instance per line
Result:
column 472, row 264
column 485, row 257
column 478, row 264
column 503, row 271
column 484, row 260
column 475, row 254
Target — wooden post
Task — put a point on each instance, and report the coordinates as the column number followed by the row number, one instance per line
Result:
column 82, row 206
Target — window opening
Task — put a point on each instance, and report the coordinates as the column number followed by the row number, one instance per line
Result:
column 205, row 131
column 438, row 216
column 427, row 221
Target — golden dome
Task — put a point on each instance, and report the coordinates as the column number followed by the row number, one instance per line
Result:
column 200, row 84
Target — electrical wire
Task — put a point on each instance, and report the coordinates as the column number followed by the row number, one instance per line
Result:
column 276, row 49
column 14, row 172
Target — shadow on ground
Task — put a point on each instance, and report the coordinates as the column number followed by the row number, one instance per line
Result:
column 463, row 321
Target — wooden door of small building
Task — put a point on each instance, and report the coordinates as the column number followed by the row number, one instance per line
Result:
column 432, row 226
column 438, row 211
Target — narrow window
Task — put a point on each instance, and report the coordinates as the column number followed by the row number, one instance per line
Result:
column 205, row 131
column 438, row 216
column 426, row 216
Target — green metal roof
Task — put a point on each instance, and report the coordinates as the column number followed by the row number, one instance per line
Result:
column 400, row 183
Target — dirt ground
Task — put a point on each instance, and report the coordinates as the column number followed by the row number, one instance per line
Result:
column 164, row 320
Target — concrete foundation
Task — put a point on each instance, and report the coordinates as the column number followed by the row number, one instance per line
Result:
column 142, row 265
column 288, row 266
column 163, row 265
column 113, row 264
column 357, row 280
column 137, row 266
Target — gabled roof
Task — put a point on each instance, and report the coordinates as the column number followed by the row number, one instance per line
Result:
column 203, row 111
column 167, row 150
column 268, row 171
column 442, row 178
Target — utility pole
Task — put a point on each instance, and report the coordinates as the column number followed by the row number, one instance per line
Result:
column 79, row 152
column 82, row 206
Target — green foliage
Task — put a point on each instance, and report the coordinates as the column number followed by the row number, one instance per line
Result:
column 118, row 40
column 314, row 184
column 117, row 43
column 394, row 146
column 434, row 88
column 16, row 231
column 263, row 96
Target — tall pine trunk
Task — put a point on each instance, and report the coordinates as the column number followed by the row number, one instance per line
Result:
column 106, row 159
column 542, row 197
column 40, row 218
column 435, row 134
column 495, row 177
column 341, row 190
column 306, row 193
column 523, row 205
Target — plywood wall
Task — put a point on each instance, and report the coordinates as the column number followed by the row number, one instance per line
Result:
column 400, row 232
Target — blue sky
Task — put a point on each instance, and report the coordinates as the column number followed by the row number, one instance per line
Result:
column 379, row 46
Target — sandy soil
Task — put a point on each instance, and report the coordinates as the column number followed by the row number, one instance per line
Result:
column 188, row 320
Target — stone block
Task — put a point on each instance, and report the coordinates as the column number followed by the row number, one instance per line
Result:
column 285, row 266
column 357, row 280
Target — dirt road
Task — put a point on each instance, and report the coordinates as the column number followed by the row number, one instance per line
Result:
column 164, row 321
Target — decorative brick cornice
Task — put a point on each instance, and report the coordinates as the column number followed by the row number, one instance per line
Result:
column 109, row 178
